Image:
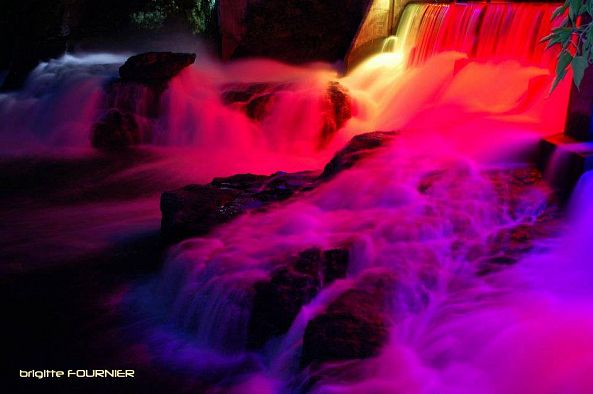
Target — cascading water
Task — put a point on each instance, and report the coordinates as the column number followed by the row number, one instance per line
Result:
column 483, row 31
column 449, row 212
column 58, row 104
column 479, row 287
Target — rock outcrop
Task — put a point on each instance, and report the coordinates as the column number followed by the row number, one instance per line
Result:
column 196, row 209
column 337, row 109
column 116, row 129
column 355, row 325
column 154, row 67
column 357, row 149
column 132, row 102
column 257, row 101
column 279, row 299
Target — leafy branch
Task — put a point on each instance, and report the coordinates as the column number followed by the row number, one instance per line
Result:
column 197, row 13
column 574, row 35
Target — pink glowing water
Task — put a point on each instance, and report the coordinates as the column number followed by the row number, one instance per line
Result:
column 462, row 114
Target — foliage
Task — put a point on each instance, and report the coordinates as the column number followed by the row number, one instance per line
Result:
column 197, row 13
column 575, row 36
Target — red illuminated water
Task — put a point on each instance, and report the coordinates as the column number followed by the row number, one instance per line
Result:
column 466, row 85
column 484, row 31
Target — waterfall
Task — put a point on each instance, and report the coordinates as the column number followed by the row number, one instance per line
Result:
column 463, row 272
column 483, row 31
column 58, row 104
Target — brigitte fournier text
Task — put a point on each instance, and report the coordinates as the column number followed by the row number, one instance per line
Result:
column 78, row 373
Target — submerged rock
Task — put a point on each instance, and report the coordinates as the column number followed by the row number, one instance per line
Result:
column 279, row 299
column 116, row 130
column 194, row 210
column 355, row 325
column 257, row 101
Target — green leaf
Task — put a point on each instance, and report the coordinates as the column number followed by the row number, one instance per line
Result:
column 573, row 10
column 578, row 64
column 559, row 11
column 564, row 60
column 557, row 80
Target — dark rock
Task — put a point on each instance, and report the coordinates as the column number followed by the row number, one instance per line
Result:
column 134, row 97
column 246, row 182
column 138, row 106
column 337, row 110
column 296, row 31
column 139, row 103
column 336, row 265
column 155, row 66
column 277, row 301
column 196, row 209
column 259, row 107
column 257, row 101
column 187, row 212
column 357, row 149
column 116, row 130
column 132, row 103
column 354, row 326
column 244, row 92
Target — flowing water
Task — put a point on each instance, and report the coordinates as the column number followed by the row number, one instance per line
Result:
column 465, row 85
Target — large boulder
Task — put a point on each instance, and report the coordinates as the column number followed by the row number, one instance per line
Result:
column 355, row 325
column 132, row 102
column 194, row 210
column 357, row 149
column 279, row 299
column 257, row 101
column 116, row 130
column 337, row 109
column 155, row 66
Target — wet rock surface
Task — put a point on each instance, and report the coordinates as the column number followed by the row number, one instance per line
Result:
column 357, row 149
column 116, row 129
column 257, row 100
column 531, row 205
column 196, row 209
column 279, row 299
column 337, row 109
column 508, row 245
column 355, row 325
column 155, row 66
column 132, row 102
